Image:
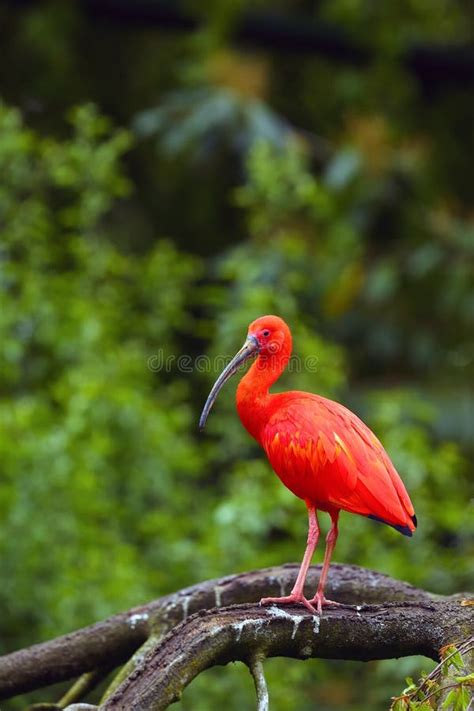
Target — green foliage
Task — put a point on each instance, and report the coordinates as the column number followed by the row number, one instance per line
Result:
column 441, row 689
column 92, row 426
column 353, row 291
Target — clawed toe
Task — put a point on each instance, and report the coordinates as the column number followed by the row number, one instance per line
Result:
column 320, row 601
column 289, row 600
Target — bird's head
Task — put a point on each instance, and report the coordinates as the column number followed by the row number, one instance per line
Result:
column 267, row 336
column 271, row 334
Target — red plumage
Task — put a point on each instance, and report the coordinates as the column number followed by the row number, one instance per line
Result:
column 320, row 450
column 325, row 454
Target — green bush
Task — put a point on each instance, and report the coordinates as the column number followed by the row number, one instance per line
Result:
column 92, row 479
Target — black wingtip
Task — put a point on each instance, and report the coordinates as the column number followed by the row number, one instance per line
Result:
column 404, row 530
column 415, row 521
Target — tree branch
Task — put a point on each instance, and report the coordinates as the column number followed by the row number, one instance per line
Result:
column 238, row 633
column 82, row 687
column 359, row 631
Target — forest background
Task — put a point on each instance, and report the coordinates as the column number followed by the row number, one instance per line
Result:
column 169, row 172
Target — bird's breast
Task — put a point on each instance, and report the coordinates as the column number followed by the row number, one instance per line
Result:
column 295, row 461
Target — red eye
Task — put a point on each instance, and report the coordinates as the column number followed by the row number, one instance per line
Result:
column 266, row 333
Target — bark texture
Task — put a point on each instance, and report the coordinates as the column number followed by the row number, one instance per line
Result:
column 218, row 621
column 217, row 637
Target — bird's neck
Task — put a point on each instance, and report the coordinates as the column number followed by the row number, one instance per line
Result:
column 253, row 397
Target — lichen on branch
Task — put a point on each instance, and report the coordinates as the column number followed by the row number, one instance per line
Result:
column 168, row 642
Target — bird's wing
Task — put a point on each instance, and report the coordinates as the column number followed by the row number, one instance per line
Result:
column 324, row 453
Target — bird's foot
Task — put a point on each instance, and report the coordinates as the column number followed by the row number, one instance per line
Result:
column 292, row 599
column 320, row 601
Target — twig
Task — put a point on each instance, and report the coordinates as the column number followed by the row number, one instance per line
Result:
column 462, row 649
column 261, row 689
column 83, row 686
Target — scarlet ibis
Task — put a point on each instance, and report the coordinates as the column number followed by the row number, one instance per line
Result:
column 321, row 451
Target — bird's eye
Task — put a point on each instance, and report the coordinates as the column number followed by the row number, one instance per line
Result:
column 266, row 333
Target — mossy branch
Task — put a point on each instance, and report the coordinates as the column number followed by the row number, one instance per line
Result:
column 241, row 632
column 219, row 621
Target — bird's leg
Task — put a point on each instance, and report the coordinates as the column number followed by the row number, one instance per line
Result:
column 319, row 600
column 296, row 595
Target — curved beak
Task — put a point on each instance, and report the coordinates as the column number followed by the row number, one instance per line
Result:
column 248, row 350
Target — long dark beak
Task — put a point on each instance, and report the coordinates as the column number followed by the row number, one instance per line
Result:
column 248, row 350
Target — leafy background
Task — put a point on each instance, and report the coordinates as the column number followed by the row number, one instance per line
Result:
column 158, row 191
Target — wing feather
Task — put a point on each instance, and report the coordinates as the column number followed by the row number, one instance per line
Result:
column 324, row 453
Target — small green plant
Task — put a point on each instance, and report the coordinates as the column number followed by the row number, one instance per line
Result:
column 448, row 687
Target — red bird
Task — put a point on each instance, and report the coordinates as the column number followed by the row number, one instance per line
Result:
column 320, row 450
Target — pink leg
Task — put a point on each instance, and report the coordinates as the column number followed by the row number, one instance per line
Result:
column 296, row 595
column 319, row 600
